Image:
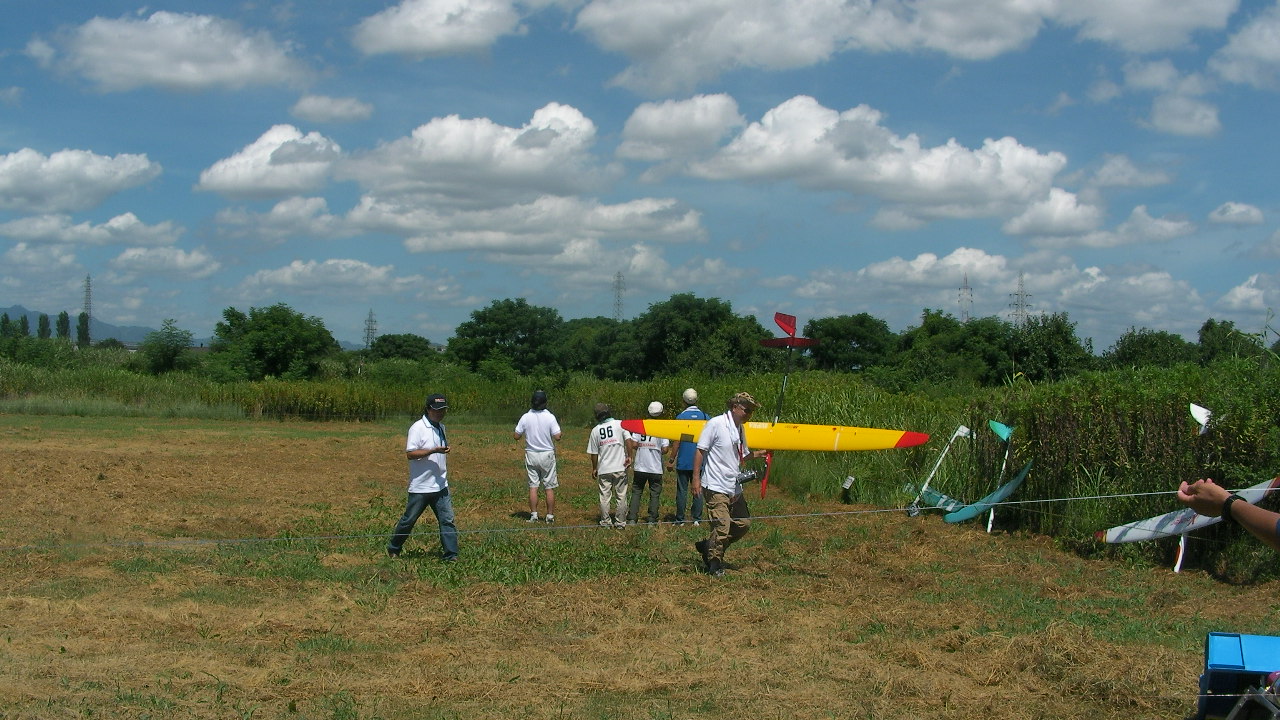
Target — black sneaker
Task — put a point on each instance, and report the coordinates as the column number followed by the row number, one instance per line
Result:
column 393, row 553
column 715, row 568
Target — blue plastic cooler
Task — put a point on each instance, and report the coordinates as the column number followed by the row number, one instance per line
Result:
column 1234, row 663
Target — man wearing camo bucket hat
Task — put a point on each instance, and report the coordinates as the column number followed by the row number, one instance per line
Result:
column 717, row 474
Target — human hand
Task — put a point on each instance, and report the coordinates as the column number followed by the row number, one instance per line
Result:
column 1204, row 496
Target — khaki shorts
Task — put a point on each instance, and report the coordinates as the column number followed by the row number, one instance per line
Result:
column 542, row 469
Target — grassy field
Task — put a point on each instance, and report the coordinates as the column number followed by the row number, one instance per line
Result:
column 156, row 568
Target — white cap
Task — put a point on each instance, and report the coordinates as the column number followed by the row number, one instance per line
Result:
column 690, row 396
column 655, row 408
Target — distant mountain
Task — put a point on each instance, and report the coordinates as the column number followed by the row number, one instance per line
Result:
column 98, row 330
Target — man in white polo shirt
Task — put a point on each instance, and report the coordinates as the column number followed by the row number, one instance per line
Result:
column 428, row 452
column 722, row 447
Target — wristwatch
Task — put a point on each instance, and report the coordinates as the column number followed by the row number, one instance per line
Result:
column 1226, row 507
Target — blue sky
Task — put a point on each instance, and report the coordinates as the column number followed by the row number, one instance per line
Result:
column 421, row 159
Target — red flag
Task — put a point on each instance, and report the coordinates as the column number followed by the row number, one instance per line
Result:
column 768, row 464
column 786, row 322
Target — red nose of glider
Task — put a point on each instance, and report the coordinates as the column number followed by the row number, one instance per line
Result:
column 911, row 439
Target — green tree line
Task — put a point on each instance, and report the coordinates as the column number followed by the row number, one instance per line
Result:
column 511, row 338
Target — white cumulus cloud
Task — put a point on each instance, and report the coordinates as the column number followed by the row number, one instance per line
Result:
column 540, row 227
column 1141, row 26
column 1140, row 228
column 38, row 258
column 437, row 27
column 1234, row 213
column 282, row 161
column 455, row 161
column 1139, row 296
column 676, row 46
column 1119, row 171
column 1252, row 55
column 328, row 277
column 853, row 152
column 1259, row 293
column 1061, row 213
column 324, row 109
column 174, row 51
column 1268, row 249
column 124, row 229
column 1154, row 75
column 306, row 217
column 165, row 261
column 675, row 129
column 68, row 180
column 1185, row 115
column 930, row 269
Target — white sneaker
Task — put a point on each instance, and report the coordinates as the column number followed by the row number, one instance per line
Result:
column 533, row 517
column 551, row 519
column 619, row 524
column 696, row 523
column 606, row 522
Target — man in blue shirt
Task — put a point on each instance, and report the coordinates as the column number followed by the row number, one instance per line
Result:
column 684, row 461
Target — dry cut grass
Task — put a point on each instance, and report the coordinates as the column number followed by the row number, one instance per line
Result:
column 112, row 604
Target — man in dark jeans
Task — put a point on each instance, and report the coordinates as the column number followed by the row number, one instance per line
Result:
column 428, row 450
column 685, row 451
column 646, row 469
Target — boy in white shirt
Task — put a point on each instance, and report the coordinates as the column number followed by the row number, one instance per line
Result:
column 610, row 459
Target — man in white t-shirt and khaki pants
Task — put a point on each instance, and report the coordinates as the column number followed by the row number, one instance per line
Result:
column 717, row 469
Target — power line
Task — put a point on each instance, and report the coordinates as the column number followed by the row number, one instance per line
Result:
column 522, row 528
